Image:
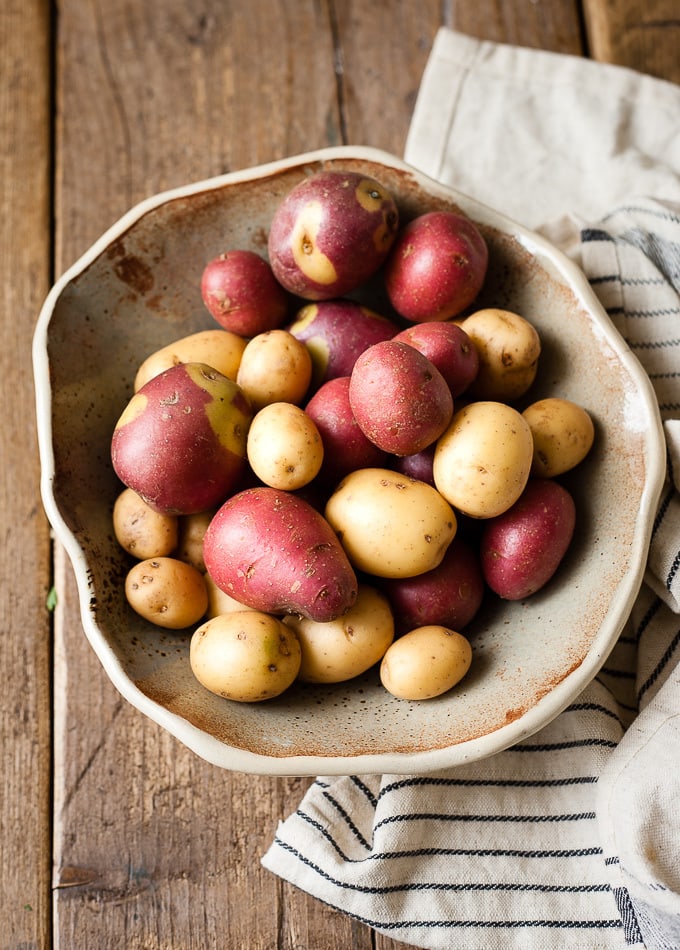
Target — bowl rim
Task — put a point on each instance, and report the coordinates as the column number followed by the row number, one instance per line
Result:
column 547, row 707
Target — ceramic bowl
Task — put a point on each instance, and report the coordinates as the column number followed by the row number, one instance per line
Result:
column 137, row 288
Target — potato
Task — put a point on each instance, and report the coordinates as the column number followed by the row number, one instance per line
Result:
column 240, row 291
column 448, row 347
column 425, row 663
column 275, row 367
column 140, row 530
column 563, row 434
column 482, row 462
column 284, row 446
column 167, row 592
column 521, row 549
column 390, row 525
column 330, row 233
column 217, row 348
column 419, row 465
column 218, row 601
column 246, row 656
column 273, row 551
column 436, row 267
column 344, row 648
column 399, row 398
column 508, row 347
column 180, row 443
column 191, row 531
column 336, row 332
column 450, row 595
column 345, row 447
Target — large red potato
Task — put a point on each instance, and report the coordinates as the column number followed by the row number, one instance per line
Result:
column 345, row 447
column 449, row 348
column 331, row 233
column 399, row 398
column 336, row 332
column 522, row 548
column 436, row 267
column 450, row 595
column 273, row 552
column 180, row 443
column 240, row 291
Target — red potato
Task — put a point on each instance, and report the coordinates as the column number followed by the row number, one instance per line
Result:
column 181, row 441
column 331, row 233
column 336, row 332
column 521, row 549
column 240, row 291
column 449, row 596
column 436, row 267
column 400, row 400
column 274, row 552
column 345, row 446
column 419, row 465
column 449, row 348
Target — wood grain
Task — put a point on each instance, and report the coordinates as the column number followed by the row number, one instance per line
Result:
column 25, row 569
column 154, row 848
column 641, row 34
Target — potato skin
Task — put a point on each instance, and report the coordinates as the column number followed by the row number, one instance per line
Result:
column 272, row 551
column 389, row 524
column 344, row 648
column 450, row 595
column 508, row 347
column 275, row 367
column 284, row 446
column 141, row 530
column 563, row 434
column 521, row 549
column 217, row 348
column 425, row 662
column 399, row 398
column 245, row 656
column 482, row 461
column 167, row 592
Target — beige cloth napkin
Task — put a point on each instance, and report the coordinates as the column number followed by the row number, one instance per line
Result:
column 572, row 838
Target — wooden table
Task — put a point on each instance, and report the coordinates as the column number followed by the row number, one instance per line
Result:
column 112, row 834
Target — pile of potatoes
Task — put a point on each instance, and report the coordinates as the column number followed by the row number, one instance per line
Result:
column 312, row 488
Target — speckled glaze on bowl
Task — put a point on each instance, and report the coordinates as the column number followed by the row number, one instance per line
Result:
column 137, row 288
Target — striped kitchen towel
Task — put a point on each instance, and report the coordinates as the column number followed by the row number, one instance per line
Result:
column 570, row 839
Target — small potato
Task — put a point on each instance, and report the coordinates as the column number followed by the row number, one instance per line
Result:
column 508, row 347
column 284, row 446
column 140, row 530
column 275, row 367
column 167, row 592
column 220, row 349
column 482, row 462
column 192, row 530
column 563, row 434
column 246, row 656
column 219, row 602
column 344, row 648
column 390, row 525
column 425, row 662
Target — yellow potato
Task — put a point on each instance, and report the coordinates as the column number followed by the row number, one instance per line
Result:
column 390, row 525
column 275, row 367
column 508, row 347
column 284, row 446
column 167, row 592
column 191, row 529
column 140, row 530
column 344, row 648
column 220, row 602
column 220, row 349
column 483, row 460
column 425, row 662
column 246, row 656
column 563, row 434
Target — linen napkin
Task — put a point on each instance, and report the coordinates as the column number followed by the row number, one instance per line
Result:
column 570, row 839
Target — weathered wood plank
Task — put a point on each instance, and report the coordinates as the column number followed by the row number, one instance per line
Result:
column 25, row 651
column 641, row 34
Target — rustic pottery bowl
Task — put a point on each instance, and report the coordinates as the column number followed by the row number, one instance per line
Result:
column 137, row 288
